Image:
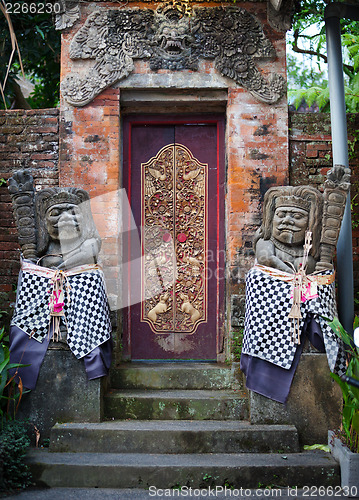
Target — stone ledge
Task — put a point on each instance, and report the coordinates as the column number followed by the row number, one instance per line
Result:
column 62, row 394
column 314, row 403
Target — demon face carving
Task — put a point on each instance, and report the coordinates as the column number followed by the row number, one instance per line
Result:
column 172, row 40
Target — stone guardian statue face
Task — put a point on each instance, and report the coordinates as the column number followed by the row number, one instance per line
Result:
column 64, row 221
column 290, row 225
column 66, row 230
column 288, row 213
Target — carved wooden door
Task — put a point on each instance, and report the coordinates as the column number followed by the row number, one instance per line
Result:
column 174, row 179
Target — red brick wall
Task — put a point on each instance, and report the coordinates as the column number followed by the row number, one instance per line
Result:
column 311, row 157
column 28, row 139
column 257, row 151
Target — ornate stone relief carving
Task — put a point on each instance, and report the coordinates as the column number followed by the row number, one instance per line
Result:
column 69, row 13
column 290, row 211
column 281, row 19
column 279, row 11
column 230, row 36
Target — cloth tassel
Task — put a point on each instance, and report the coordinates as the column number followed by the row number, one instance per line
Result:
column 300, row 280
column 295, row 314
column 57, row 302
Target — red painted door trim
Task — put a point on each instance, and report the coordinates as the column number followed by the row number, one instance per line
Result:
column 131, row 121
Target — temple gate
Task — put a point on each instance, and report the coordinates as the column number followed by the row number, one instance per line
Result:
column 199, row 83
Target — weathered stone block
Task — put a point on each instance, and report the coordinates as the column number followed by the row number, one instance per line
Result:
column 62, row 394
column 237, row 310
column 314, row 403
column 349, row 464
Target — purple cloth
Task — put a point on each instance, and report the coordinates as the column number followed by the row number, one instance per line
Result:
column 98, row 361
column 273, row 381
column 26, row 350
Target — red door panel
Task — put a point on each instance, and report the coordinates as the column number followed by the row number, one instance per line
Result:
column 173, row 175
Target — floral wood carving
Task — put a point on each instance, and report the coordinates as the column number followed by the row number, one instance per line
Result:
column 230, row 36
column 174, row 207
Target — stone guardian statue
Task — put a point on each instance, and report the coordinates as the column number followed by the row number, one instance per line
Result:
column 290, row 291
column 55, row 224
column 61, row 293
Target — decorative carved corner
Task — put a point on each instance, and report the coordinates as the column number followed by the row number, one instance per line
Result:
column 237, row 310
column 280, row 14
column 171, row 39
column 336, row 188
column 22, row 192
column 69, row 13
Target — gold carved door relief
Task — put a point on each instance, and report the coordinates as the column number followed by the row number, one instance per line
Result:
column 174, row 241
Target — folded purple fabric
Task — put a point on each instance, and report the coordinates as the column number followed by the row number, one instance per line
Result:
column 28, row 351
column 273, row 381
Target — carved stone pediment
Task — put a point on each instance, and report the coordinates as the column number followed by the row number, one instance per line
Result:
column 279, row 11
column 172, row 40
column 67, row 13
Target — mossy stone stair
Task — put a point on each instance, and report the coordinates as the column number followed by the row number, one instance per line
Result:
column 173, row 424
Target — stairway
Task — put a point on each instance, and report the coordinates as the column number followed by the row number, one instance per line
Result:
column 178, row 424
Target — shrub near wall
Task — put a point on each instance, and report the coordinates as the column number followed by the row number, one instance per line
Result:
column 28, row 139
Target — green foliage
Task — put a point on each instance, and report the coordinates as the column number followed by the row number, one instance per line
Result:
column 309, row 12
column 308, row 38
column 351, row 42
column 350, row 414
column 7, row 384
column 300, row 75
column 40, row 46
column 14, row 444
column 354, row 204
column 312, row 95
column 236, row 344
column 13, row 438
column 323, row 447
column 4, row 370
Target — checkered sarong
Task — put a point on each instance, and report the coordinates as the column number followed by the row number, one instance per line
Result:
column 267, row 327
column 86, row 308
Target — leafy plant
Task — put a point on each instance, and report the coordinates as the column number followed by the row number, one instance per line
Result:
column 14, row 440
column 30, row 46
column 236, row 344
column 350, row 413
column 323, row 447
column 354, row 204
column 7, row 381
column 14, row 443
column 306, row 81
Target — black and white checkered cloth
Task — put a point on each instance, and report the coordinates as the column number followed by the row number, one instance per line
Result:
column 86, row 309
column 267, row 328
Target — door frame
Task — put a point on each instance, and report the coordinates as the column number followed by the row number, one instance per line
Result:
column 128, row 122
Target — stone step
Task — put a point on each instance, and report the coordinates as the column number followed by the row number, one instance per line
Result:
column 176, row 405
column 133, row 470
column 174, row 376
column 166, row 436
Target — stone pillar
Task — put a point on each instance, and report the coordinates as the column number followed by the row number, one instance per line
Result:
column 62, row 394
column 314, row 403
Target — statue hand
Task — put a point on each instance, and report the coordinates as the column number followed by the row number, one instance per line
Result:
column 324, row 266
